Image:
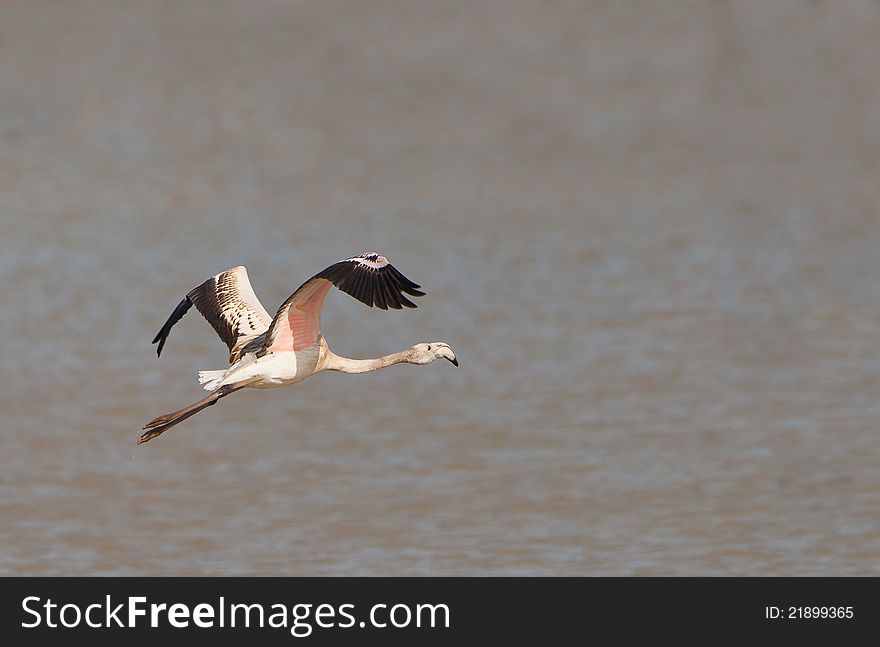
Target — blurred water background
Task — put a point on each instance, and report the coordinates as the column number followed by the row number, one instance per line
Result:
column 649, row 230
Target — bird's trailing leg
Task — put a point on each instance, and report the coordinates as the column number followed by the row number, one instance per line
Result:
column 165, row 422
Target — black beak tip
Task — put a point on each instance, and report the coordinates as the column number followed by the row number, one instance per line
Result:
column 454, row 361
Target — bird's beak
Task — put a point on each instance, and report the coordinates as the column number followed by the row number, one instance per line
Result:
column 447, row 353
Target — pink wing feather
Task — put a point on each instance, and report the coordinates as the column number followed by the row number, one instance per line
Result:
column 370, row 278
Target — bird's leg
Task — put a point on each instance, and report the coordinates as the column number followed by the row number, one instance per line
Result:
column 204, row 402
column 165, row 422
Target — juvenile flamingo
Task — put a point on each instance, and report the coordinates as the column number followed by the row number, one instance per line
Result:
column 267, row 352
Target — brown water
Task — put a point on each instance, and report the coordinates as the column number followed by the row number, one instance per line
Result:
column 649, row 230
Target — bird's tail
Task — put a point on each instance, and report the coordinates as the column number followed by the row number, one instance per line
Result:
column 210, row 380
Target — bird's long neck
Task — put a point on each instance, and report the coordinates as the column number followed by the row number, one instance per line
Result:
column 333, row 362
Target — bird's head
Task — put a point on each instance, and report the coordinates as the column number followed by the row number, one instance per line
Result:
column 428, row 352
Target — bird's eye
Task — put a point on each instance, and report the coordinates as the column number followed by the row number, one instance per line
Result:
column 429, row 346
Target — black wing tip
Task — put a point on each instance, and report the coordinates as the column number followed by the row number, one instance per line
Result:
column 383, row 287
column 162, row 336
column 160, row 339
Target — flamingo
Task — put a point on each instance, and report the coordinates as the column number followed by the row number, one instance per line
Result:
column 269, row 352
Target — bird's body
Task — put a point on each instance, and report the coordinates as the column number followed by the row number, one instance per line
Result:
column 267, row 372
column 269, row 352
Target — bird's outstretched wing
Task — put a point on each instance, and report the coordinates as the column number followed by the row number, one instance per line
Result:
column 230, row 305
column 369, row 278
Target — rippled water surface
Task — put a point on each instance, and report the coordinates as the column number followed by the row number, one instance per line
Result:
column 649, row 230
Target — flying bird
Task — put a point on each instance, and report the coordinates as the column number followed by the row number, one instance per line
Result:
column 268, row 352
